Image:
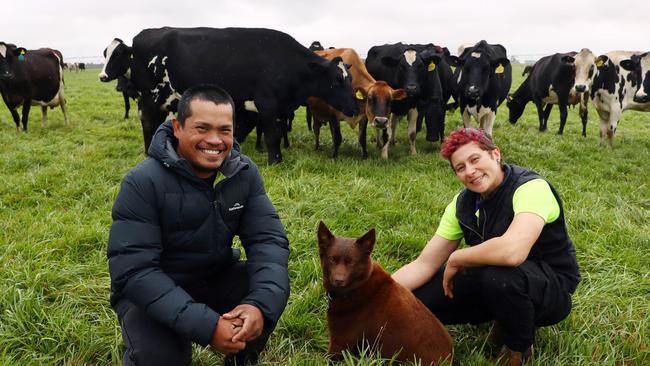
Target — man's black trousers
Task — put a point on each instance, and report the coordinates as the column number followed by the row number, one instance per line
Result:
column 148, row 342
column 519, row 299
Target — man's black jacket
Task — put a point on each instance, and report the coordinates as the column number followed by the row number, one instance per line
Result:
column 171, row 229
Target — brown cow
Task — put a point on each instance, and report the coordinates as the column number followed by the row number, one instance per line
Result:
column 374, row 99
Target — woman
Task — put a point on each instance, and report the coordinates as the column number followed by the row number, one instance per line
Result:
column 519, row 266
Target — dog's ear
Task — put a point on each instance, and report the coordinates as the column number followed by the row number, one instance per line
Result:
column 367, row 242
column 324, row 236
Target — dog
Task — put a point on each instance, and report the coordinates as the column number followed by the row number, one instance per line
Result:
column 367, row 305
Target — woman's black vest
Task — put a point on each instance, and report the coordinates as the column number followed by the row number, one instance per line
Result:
column 553, row 247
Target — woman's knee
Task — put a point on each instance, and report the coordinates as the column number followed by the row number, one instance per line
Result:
column 496, row 280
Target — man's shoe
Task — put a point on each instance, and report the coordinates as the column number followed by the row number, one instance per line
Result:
column 508, row 357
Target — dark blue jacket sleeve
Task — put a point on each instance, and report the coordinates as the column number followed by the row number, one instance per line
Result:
column 134, row 249
column 267, row 251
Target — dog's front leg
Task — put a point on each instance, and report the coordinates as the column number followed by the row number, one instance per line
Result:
column 337, row 346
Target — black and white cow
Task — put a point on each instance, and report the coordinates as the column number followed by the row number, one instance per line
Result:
column 401, row 67
column 126, row 87
column 265, row 71
column 619, row 84
column 31, row 77
column 563, row 79
column 484, row 75
column 438, row 87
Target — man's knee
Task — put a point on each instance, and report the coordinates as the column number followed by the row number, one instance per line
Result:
column 148, row 342
column 157, row 356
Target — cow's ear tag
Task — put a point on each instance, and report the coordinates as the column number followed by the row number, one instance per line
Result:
column 431, row 66
column 499, row 69
column 359, row 95
column 21, row 57
column 599, row 63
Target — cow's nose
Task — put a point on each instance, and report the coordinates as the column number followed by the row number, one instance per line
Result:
column 642, row 98
column 472, row 92
column 581, row 88
column 380, row 122
column 411, row 90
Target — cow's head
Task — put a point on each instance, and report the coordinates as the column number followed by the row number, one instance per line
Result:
column 335, row 85
column 516, row 107
column 639, row 67
column 10, row 58
column 585, row 64
column 410, row 70
column 476, row 71
column 377, row 101
column 116, row 61
column 316, row 46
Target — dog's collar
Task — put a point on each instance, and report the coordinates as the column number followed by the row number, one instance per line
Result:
column 331, row 296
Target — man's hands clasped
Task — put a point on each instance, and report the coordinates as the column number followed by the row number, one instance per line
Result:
column 236, row 327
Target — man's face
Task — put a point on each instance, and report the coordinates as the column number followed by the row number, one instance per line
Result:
column 207, row 137
column 478, row 170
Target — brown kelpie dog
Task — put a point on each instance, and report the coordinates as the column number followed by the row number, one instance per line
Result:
column 367, row 305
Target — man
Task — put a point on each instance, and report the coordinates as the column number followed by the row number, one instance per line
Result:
column 175, row 278
column 519, row 268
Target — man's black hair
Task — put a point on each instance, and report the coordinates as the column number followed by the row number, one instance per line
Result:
column 207, row 92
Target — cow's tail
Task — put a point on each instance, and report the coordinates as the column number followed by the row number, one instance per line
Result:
column 59, row 58
column 527, row 70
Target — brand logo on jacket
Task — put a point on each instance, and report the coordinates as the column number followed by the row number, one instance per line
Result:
column 236, row 206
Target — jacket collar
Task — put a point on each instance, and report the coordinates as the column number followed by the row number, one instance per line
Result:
column 163, row 148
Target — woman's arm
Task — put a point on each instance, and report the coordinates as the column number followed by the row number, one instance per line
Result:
column 434, row 254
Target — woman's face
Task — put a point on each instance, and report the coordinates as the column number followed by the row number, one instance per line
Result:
column 479, row 170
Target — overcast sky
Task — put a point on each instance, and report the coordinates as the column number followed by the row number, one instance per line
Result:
column 528, row 29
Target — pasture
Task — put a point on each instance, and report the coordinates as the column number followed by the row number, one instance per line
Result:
column 59, row 184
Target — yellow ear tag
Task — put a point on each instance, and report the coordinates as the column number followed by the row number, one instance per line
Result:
column 359, row 95
column 499, row 69
column 431, row 66
column 599, row 63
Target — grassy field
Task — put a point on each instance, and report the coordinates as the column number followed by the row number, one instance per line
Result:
column 59, row 184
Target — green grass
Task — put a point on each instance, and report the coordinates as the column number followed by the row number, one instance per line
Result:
column 59, row 184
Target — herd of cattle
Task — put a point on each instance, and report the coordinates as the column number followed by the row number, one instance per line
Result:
column 269, row 75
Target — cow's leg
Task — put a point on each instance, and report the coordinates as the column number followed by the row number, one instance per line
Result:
column 412, row 129
column 335, row 129
column 379, row 133
column 487, row 121
column 286, row 127
column 363, row 127
column 584, row 111
column 272, row 139
column 150, row 117
column 563, row 115
column 547, row 113
column 467, row 122
column 540, row 114
column 63, row 104
column 16, row 118
column 258, row 139
column 43, row 116
column 604, row 121
column 390, row 130
column 127, row 105
column 308, row 117
column 27, row 105
column 316, row 129
column 611, row 127
column 420, row 120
